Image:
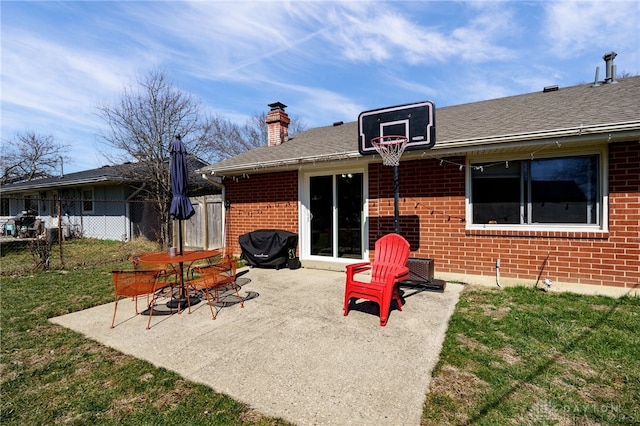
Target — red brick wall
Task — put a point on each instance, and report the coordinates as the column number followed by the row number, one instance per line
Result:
column 432, row 210
column 263, row 201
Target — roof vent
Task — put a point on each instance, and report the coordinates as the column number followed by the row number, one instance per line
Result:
column 553, row 88
column 595, row 81
column 338, row 123
column 610, row 67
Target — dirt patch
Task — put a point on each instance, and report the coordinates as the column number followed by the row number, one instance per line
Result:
column 509, row 355
column 495, row 312
column 80, row 298
column 600, row 307
column 125, row 404
column 462, row 387
column 579, row 366
column 471, row 343
column 171, row 398
column 588, row 392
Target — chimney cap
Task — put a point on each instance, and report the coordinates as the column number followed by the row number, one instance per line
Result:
column 609, row 56
column 277, row 106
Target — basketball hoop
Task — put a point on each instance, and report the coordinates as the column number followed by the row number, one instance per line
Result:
column 390, row 148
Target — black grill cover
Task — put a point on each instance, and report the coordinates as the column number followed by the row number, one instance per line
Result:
column 267, row 247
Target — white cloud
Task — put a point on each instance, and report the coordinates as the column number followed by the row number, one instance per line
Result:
column 55, row 79
column 384, row 34
column 572, row 27
column 327, row 60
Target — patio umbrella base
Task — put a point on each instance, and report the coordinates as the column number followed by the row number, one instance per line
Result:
column 171, row 307
column 183, row 302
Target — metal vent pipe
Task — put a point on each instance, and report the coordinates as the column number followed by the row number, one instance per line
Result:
column 610, row 68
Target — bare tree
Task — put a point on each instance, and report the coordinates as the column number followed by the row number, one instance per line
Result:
column 30, row 155
column 141, row 127
column 230, row 138
column 627, row 74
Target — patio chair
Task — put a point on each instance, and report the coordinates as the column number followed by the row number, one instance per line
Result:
column 213, row 277
column 388, row 268
column 137, row 283
column 222, row 262
column 167, row 272
column 145, row 266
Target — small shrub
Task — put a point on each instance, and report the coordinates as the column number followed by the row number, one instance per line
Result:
column 41, row 253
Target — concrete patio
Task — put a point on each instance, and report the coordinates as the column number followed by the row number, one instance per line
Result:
column 290, row 352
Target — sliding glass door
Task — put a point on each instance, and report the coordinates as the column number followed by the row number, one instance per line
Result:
column 336, row 223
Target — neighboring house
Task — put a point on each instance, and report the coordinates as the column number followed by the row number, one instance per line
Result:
column 547, row 184
column 104, row 203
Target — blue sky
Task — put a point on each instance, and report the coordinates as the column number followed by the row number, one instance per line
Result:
column 328, row 61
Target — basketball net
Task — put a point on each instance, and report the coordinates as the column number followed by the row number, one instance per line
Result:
column 390, row 148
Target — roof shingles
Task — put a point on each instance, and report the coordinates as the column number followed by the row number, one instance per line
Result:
column 566, row 108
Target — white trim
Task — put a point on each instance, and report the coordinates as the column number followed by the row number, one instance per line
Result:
column 93, row 199
column 603, row 192
column 304, row 215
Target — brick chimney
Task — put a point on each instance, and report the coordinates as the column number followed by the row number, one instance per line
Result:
column 278, row 124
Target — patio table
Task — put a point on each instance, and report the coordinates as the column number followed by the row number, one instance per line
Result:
column 188, row 257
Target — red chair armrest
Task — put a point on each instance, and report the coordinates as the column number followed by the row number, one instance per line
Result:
column 356, row 268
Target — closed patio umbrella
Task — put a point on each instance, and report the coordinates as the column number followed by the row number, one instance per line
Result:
column 181, row 208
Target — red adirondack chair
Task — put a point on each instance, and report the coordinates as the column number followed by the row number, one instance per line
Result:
column 389, row 267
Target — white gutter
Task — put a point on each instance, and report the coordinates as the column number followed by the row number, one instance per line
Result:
column 556, row 133
column 215, row 183
column 288, row 162
column 35, row 184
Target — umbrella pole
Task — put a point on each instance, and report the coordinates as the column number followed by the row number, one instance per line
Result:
column 180, row 236
column 183, row 293
column 181, row 301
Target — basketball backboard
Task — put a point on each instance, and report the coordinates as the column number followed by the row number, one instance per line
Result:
column 416, row 121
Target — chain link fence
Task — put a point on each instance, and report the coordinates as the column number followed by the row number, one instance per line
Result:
column 37, row 230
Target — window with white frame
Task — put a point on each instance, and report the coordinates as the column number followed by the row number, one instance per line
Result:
column 559, row 190
column 87, row 201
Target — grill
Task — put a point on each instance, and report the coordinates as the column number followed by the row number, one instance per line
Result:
column 268, row 248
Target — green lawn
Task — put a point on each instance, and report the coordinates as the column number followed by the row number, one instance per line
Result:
column 521, row 356
column 51, row 375
column 511, row 356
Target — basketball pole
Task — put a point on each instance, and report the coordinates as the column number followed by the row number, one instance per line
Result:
column 396, row 199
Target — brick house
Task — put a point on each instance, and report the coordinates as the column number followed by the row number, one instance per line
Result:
column 542, row 180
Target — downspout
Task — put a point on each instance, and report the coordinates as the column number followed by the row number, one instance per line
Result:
column 214, row 182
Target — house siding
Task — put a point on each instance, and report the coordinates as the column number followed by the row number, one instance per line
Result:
column 264, row 201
